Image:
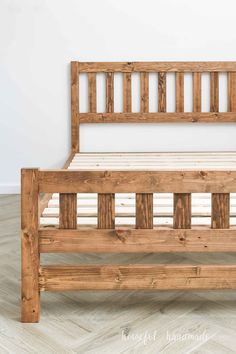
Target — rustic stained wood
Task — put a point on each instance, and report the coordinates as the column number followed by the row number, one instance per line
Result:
column 197, row 92
column 125, row 240
column 144, row 92
column 144, row 211
column 127, row 93
column 56, row 181
column 158, row 117
column 162, row 92
column 92, row 92
column 30, row 302
column 220, row 210
column 74, row 106
column 231, row 92
column 194, row 66
column 68, row 211
column 214, row 90
column 137, row 276
column 110, row 92
column 106, row 211
column 179, row 91
column 182, row 211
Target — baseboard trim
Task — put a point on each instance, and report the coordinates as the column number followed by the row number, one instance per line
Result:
column 9, row 188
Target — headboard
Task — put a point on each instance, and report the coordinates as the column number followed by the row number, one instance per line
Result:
column 144, row 116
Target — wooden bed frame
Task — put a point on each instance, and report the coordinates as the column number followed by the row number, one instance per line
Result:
column 70, row 237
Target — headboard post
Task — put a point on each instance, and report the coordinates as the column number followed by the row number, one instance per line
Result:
column 74, row 106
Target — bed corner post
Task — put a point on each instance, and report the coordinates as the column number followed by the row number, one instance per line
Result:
column 30, row 297
column 74, row 106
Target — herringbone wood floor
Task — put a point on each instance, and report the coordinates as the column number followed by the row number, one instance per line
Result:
column 111, row 322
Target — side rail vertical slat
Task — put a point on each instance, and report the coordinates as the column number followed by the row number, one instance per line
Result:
column 30, row 300
column 144, row 211
column 182, row 211
column 68, row 211
column 179, row 90
column 106, row 211
column 220, row 211
column 231, row 92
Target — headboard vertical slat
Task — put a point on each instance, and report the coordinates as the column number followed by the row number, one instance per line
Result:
column 214, row 92
column 92, row 92
column 231, row 91
column 127, row 93
column 74, row 106
column 197, row 101
column 144, row 92
column 162, row 92
column 179, row 92
column 110, row 92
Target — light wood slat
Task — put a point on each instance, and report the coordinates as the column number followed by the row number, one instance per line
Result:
column 110, row 92
column 231, row 92
column 203, row 66
column 68, row 211
column 179, row 91
column 30, row 302
column 56, row 181
column 74, row 107
column 127, row 93
column 137, row 240
column 214, row 90
column 161, row 94
column 220, row 210
column 144, row 92
column 106, row 211
column 92, row 91
column 158, row 117
column 182, row 211
column 197, row 92
column 144, row 211
column 137, row 276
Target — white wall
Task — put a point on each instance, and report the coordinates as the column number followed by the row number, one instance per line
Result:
column 39, row 38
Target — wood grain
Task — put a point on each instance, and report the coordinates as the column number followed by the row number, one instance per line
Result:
column 30, row 302
column 127, row 240
column 92, row 92
column 144, row 211
column 166, row 66
column 182, row 211
column 63, row 181
column 232, row 92
column 144, row 92
column 197, row 101
column 127, row 93
column 161, row 93
column 110, row 92
column 159, row 117
column 179, row 92
column 220, row 210
column 137, row 276
column 74, row 106
column 68, row 211
column 214, row 92
column 106, row 211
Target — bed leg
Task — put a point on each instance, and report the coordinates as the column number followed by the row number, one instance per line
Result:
column 30, row 298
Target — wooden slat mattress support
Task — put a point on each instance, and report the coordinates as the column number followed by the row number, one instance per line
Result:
column 143, row 236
